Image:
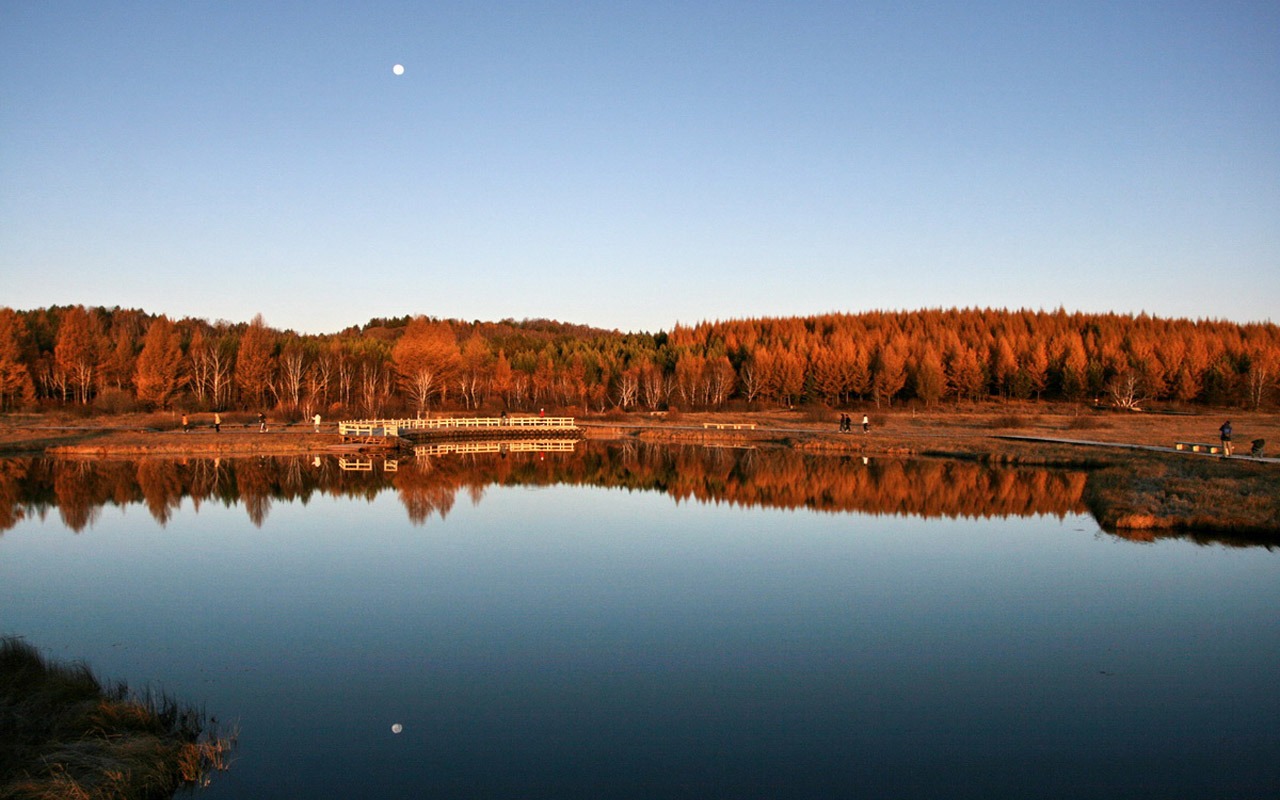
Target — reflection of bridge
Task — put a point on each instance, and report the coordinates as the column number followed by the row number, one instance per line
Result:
column 415, row 431
column 511, row 446
column 365, row 464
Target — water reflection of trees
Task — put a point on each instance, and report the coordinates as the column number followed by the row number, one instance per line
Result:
column 161, row 487
column 13, row 474
column 757, row 478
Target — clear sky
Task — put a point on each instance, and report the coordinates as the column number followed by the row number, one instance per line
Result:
column 636, row 164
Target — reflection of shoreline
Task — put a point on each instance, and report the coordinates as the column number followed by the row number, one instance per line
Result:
column 757, row 477
column 762, row 477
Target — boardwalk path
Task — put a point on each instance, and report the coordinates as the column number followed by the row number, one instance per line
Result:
column 1126, row 446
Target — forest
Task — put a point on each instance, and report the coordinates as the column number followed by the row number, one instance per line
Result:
column 115, row 360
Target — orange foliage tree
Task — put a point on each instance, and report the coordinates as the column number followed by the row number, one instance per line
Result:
column 425, row 357
column 158, row 373
column 255, row 364
column 75, row 356
column 16, row 386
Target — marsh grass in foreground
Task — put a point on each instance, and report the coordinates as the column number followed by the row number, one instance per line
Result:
column 67, row 735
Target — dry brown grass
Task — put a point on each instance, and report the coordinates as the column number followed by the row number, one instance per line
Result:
column 68, row 735
column 970, row 428
column 1187, row 494
column 966, row 428
column 153, row 434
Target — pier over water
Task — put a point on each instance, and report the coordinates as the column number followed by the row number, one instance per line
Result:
column 418, row 431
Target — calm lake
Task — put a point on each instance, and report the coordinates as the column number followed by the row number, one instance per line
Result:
column 645, row 621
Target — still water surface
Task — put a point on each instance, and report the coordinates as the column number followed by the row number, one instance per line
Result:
column 656, row 623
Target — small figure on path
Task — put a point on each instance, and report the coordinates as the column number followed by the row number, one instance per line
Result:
column 844, row 423
column 316, row 420
column 1225, row 433
column 217, row 422
column 866, row 424
column 262, row 422
column 503, row 420
column 186, row 423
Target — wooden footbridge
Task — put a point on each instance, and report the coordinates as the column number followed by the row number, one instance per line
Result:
column 411, row 432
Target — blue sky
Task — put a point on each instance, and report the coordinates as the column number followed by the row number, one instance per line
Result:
column 636, row 164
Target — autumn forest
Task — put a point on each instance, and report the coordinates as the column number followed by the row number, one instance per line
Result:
column 117, row 360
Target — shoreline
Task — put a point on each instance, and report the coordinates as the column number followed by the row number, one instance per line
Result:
column 1137, row 480
column 71, row 734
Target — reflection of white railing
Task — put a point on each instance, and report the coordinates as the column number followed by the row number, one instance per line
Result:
column 517, row 446
column 363, row 464
column 392, row 427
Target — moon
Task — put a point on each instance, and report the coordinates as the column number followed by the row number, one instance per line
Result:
column 398, row 69
column 397, row 728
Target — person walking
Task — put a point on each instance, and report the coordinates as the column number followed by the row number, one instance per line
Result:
column 1225, row 433
column 186, row 423
column 262, row 422
column 217, row 422
column 866, row 424
column 316, row 420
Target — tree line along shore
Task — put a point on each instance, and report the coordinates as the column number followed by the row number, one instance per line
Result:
column 121, row 360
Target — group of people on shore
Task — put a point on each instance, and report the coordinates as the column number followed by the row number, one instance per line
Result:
column 217, row 423
column 262, row 422
column 846, row 424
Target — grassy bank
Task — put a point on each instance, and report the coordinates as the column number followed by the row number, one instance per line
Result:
column 154, row 434
column 1201, row 495
column 66, row 735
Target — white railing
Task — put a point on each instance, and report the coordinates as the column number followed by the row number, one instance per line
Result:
column 365, row 464
column 392, row 427
column 518, row 446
